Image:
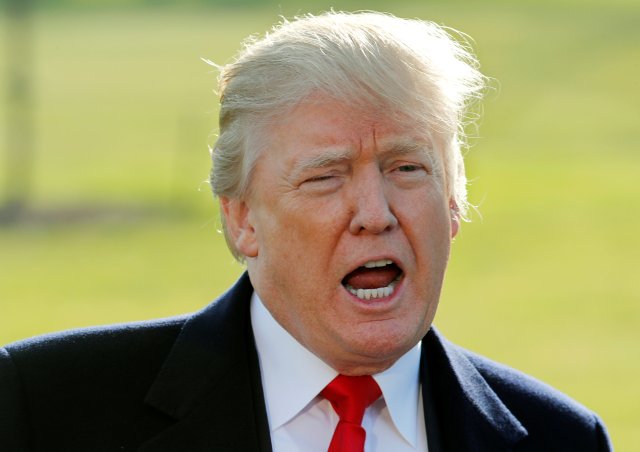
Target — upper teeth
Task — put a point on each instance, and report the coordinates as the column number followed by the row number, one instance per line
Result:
column 380, row 263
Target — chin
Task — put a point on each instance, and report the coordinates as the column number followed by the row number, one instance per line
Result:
column 385, row 346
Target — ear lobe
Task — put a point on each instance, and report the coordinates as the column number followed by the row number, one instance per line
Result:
column 455, row 224
column 239, row 227
column 455, row 219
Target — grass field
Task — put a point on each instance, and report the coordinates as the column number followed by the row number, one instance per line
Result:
column 122, row 228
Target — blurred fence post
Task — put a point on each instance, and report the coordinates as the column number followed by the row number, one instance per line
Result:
column 19, row 152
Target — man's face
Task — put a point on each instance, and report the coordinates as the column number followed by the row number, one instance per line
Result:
column 346, row 229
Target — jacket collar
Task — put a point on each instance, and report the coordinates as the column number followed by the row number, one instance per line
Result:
column 464, row 412
column 210, row 382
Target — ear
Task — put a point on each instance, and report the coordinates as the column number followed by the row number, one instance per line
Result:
column 454, row 213
column 237, row 216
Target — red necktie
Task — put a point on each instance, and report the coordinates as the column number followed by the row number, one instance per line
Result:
column 350, row 396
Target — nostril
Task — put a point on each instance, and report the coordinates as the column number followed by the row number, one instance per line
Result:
column 376, row 224
column 373, row 218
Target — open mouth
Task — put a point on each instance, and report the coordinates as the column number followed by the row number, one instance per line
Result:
column 373, row 280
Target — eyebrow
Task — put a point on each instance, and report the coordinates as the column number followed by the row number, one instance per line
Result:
column 398, row 148
column 330, row 157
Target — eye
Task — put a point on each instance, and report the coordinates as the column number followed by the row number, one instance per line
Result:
column 320, row 178
column 321, row 183
column 408, row 168
column 408, row 173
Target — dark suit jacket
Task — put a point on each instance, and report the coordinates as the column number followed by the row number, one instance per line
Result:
column 192, row 384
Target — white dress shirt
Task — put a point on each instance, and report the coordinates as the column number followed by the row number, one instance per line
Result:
column 301, row 420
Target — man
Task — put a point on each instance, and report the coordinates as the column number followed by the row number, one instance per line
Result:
column 341, row 182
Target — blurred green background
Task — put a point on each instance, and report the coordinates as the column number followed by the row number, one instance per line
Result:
column 116, row 223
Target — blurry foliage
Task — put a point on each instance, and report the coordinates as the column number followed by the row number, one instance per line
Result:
column 305, row 5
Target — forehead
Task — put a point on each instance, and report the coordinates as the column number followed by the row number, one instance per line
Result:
column 319, row 125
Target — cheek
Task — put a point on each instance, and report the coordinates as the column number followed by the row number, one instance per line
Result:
column 427, row 225
column 318, row 222
column 297, row 236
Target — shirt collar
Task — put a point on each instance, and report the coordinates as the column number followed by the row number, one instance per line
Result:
column 292, row 376
column 400, row 386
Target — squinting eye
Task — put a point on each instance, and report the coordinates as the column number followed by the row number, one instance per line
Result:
column 319, row 178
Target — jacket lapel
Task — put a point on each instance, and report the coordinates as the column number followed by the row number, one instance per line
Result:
column 210, row 382
column 462, row 412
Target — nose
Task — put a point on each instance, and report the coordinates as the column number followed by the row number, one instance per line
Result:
column 372, row 211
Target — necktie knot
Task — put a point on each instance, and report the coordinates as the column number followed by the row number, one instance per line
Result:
column 350, row 397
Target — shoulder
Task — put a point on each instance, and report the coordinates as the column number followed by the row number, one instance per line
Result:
column 544, row 411
column 98, row 342
column 525, row 413
column 76, row 358
column 123, row 350
column 108, row 387
column 515, row 386
column 62, row 387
